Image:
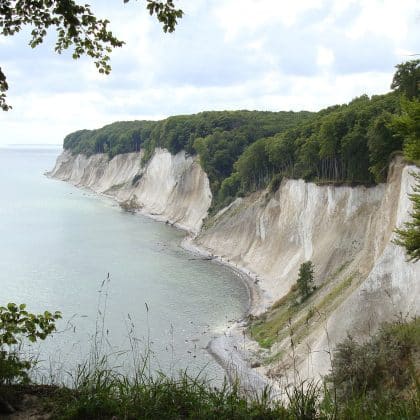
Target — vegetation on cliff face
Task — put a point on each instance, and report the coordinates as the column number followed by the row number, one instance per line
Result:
column 409, row 235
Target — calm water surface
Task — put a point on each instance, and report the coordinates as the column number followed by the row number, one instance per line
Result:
column 57, row 246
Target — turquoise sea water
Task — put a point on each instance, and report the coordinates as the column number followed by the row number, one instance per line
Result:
column 57, row 246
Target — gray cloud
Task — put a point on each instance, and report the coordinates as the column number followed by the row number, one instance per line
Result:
column 270, row 66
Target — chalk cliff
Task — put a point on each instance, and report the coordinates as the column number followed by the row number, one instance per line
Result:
column 363, row 279
column 169, row 188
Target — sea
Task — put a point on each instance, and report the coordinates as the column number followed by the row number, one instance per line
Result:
column 128, row 292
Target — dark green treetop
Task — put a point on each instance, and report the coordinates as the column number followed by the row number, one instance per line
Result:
column 305, row 281
column 407, row 79
column 409, row 235
column 407, row 126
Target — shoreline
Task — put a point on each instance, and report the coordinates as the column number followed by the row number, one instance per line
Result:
column 234, row 351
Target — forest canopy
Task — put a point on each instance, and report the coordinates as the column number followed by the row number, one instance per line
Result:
column 243, row 151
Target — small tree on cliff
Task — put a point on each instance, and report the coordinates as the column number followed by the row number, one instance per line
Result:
column 305, row 281
column 409, row 236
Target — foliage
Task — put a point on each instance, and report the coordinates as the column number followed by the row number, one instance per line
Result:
column 275, row 183
column 349, row 143
column 243, row 151
column 407, row 79
column 220, row 149
column 3, row 88
column 218, row 137
column 385, row 366
column 17, row 324
column 305, row 281
column 376, row 379
column 115, row 138
column 407, row 126
column 304, row 400
column 130, row 205
column 381, row 143
column 136, row 179
column 166, row 13
column 409, row 236
column 102, row 393
column 76, row 27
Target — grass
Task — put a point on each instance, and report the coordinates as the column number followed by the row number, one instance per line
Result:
column 378, row 379
column 270, row 327
column 287, row 313
column 391, row 392
column 105, row 394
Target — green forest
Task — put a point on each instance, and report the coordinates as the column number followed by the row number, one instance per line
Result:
column 243, row 151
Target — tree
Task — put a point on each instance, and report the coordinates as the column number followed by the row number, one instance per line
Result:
column 382, row 141
column 407, row 126
column 409, row 236
column 16, row 324
column 305, row 281
column 407, row 79
column 76, row 27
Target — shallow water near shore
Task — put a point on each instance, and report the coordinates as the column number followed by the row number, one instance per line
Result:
column 57, row 245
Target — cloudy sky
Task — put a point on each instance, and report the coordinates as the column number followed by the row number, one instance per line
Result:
column 225, row 54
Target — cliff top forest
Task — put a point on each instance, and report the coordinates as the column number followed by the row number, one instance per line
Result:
column 243, row 151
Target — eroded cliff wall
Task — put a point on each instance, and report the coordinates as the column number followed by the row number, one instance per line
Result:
column 169, row 188
column 363, row 279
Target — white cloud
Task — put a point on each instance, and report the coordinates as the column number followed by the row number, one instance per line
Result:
column 237, row 16
column 225, row 54
column 325, row 57
column 385, row 18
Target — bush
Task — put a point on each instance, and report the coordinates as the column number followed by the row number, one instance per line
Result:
column 386, row 365
column 136, row 179
column 131, row 205
column 16, row 325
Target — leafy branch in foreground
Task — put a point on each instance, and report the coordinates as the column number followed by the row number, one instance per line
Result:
column 409, row 236
column 76, row 26
column 16, row 324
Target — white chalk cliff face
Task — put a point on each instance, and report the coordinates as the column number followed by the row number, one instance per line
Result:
column 363, row 279
column 391, row 288
column 169, row 188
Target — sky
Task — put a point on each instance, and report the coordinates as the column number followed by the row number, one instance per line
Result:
column 224, row 55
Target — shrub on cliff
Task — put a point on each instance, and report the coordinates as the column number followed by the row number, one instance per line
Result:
column 305, row 281
column 16, row 325
column 388, row 365
column 131, row 205
column 409, row 236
